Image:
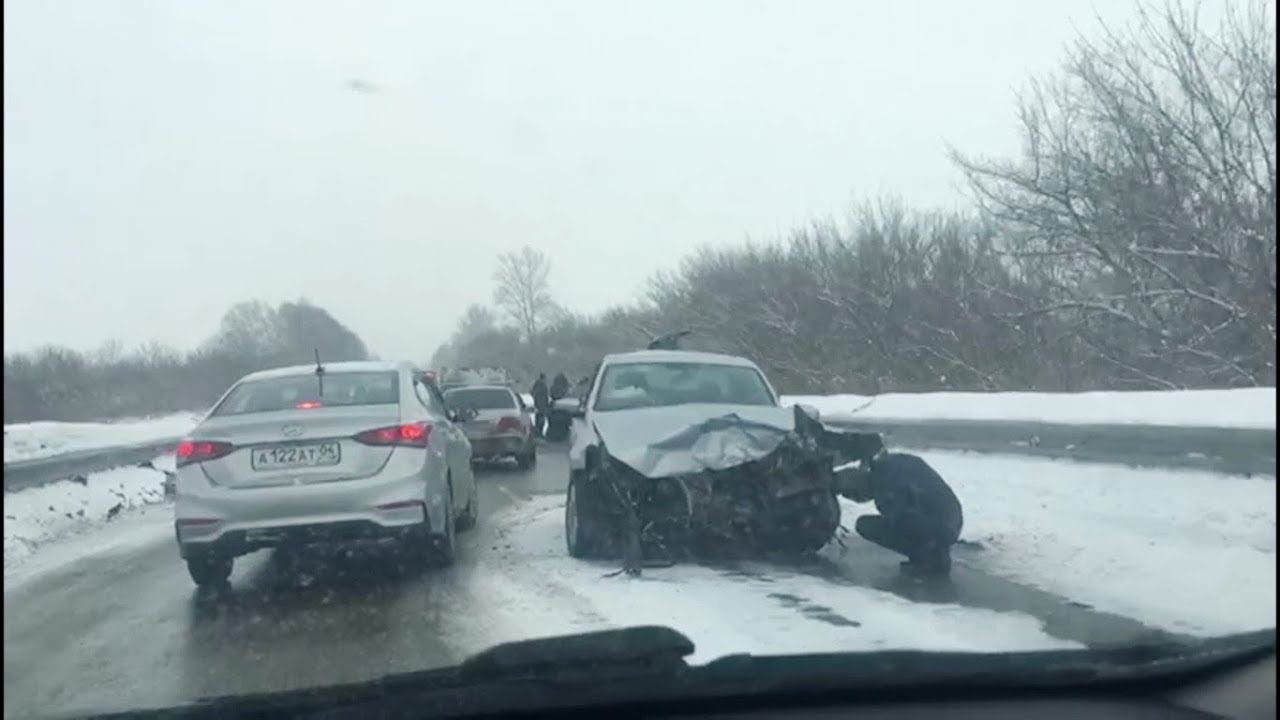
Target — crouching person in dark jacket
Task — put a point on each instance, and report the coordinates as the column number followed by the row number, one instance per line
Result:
column 920, row 516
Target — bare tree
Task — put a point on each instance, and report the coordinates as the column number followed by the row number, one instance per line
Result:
column 523, row 290
column 1144, row 203
column 476, row 320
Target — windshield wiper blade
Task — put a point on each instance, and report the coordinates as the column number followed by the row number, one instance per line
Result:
column 1029, row 669
column 598, row 668
column 641, row 649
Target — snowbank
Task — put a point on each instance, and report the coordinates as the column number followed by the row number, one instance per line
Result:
column 1242, row 408
column 533, row 589
column 1190, row 552
column 27, row 441
column 36, row 516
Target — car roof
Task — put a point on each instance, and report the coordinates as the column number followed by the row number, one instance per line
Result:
column 334, row 367
column 687, row 356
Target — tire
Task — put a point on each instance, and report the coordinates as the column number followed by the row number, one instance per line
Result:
column 583, row 534
column 471, row 516
column 440, row 548
column 208, row 569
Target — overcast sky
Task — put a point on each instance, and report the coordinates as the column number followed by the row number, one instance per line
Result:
column 164, row 160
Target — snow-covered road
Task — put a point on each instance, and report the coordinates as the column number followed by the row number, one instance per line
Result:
column 1055, row 554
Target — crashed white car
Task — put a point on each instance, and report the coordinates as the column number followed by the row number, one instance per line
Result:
column 673, row 451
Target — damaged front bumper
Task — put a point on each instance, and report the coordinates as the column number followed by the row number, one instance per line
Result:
column 725, row 486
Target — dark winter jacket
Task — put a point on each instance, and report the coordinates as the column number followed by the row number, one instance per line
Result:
column 559, row 387
column 907, row 490
column 541, row 398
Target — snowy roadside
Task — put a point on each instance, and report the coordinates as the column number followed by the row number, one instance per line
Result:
column 40, row 516
column 533, row 589
column 1190, row 552
column 1240, row 408
column 28, row 441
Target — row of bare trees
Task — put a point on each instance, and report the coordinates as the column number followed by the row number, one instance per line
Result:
column 55, row 383
column 1130, row 244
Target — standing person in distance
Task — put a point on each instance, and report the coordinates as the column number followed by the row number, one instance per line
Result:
column 541, row 404
column 559, row 387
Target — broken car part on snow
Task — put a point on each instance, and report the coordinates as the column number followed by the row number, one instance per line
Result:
column 762, row 480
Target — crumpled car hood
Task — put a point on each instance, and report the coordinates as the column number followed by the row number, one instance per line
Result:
column 680, row 439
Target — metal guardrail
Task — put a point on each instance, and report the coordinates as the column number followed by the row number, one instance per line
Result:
column 40, row 471
column 1222, row 450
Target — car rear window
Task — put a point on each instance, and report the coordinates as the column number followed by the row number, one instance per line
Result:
column 340, row 389
column 481, row 398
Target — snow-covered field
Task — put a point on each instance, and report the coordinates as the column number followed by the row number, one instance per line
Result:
column 27, row 441
column 41, row 516
column 1242, row 408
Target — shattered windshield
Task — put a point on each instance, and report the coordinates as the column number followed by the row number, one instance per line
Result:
column 633, row 385
column 796, row 327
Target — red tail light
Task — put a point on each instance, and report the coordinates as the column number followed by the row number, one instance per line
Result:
column 196, row 451
column 412, row 434
column 509, row 424
column 308, row 405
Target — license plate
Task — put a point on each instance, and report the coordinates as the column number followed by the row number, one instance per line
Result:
column 296, row 456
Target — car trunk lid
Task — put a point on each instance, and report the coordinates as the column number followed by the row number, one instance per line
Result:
column 297, row 447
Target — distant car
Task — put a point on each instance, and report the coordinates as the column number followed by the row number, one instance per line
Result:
column 672, row 449
column 306, row 454
column 501, row 426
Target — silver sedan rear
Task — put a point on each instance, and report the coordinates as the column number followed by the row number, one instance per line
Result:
column 304, row 454
column 500, row 426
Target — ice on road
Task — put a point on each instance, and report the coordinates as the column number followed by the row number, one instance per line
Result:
column 535, row 590
column 28, row 441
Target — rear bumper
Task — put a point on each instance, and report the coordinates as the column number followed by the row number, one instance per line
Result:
column 240, row 542
column 494, row 446
column 409, row 494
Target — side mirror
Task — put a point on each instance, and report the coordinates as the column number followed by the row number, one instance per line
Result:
column 810, row 410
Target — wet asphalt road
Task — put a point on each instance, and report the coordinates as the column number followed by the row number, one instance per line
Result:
column 127, row 629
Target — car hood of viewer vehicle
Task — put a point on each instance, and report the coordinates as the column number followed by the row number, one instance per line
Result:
column 680, row 439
